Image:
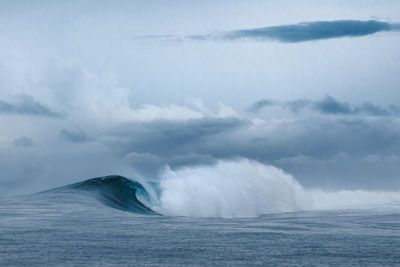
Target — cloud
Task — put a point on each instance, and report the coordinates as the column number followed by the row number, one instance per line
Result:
column 151, row 165
column 292, row 33
column 307, row 147
column 374, row 110
column 27, row 106
column 74, row 136
column 23, row 142
column 260, row 104
column 320, row 151
column 329, row 106
column 298, row 105
column 171, row 112
column 129, row 97
column 312, row 31
column 167, row 137
column 152, row 145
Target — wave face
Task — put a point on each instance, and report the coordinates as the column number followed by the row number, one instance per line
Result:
column 117, row 192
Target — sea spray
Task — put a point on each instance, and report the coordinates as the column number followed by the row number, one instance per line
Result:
column 241, row 188
column 246, row 188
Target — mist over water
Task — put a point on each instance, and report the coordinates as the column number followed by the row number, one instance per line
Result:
column 247, row 188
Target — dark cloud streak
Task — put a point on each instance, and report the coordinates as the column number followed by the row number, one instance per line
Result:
column 27, row 106
column 329, row 106
column 312, row 31
column 292, row 33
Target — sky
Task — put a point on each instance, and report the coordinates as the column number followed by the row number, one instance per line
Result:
column 92, row 88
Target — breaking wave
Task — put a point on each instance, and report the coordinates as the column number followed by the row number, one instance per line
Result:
column 228, row 189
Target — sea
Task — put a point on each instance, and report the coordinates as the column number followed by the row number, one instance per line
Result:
column 116, row 221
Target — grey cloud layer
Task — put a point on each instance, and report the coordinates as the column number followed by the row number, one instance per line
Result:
column 300, row 146
column 323, row 151
column 27, row 106
column 329, row 105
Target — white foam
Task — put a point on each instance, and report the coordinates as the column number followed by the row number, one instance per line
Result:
column 231, row 189
column 247, row 188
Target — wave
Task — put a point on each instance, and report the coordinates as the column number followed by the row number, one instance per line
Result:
column 114, row 191
column 228, row 189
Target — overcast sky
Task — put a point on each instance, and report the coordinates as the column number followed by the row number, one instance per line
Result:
column 91, row 88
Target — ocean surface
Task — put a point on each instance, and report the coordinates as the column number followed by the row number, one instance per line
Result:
column 117, row 221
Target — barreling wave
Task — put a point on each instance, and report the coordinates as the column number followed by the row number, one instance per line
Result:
column 228, row 189
column 114, row 191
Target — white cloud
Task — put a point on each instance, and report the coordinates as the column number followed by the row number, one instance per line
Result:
column 225, row 111
column 169, row 112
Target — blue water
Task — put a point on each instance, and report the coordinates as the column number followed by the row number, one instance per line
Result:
column 105, row 221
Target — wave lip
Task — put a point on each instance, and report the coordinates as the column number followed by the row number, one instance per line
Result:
column 117, row 192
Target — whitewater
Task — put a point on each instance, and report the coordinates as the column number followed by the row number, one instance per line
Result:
column 237, row 212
